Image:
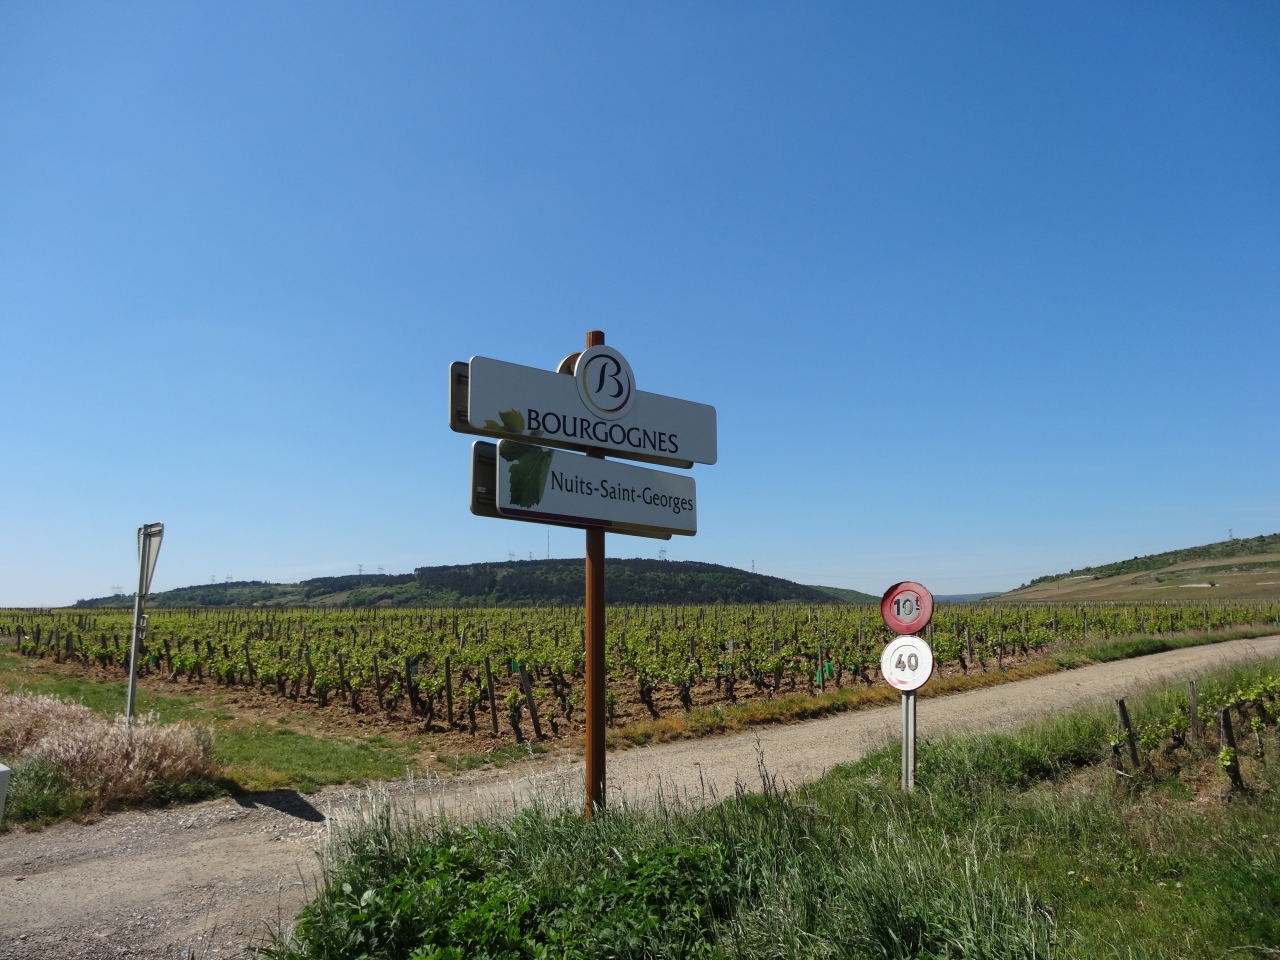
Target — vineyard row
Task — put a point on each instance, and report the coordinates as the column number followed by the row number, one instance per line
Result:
column 478, row 669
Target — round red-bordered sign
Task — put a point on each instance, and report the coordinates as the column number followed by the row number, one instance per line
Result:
column 906, row 607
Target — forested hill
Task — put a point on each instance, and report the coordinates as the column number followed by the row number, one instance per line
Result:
column 515, row 583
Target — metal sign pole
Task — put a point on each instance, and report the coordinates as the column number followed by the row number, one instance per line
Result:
column 907, row 662
column 138, row 600
column 595, row 626
column 149, row 537
column 909, row 740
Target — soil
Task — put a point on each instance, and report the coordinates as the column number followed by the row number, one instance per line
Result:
column 247, row 703
column 212, row 876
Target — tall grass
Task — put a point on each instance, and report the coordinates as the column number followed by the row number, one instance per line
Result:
column 66, row 759
column 1016, row 845
column 758, row 876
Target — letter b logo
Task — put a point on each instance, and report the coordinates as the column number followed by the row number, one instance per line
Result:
column 605, row 382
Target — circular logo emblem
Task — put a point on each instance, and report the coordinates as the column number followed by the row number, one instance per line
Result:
column 605, row 382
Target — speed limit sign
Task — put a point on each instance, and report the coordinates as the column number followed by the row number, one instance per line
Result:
column 906, row 607
column 906, row 663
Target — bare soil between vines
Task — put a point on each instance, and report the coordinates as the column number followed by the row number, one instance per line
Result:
column 437, row 738
column 209, row 877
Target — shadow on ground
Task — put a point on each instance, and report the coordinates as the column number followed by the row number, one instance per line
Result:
column 286, row 801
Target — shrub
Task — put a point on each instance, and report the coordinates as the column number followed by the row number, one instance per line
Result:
column 66, row 759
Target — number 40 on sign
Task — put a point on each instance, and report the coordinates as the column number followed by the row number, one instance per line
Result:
column 907, row 662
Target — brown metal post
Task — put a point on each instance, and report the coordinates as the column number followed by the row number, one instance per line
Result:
column 595, row 649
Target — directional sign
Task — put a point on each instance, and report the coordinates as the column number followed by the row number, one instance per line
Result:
column 149, row 538
column 484, row 496
column 906, row 663
column 543, row 484
column 596, row 407
column 906, row 607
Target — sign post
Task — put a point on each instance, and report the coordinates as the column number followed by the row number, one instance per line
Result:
column 907, row 662
column 149, row 537
column 589, row 404
column 595, row 646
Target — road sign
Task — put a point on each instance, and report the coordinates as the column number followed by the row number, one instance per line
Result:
column 596, row 408
column 484, row 496
column 590, row 404
column 539, row 483
column 906, row 607
column 907, row 663
column 149, row 538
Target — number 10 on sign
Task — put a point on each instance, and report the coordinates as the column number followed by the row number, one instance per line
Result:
column 907, row 662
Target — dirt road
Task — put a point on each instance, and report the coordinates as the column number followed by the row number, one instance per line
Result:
column 208, row 877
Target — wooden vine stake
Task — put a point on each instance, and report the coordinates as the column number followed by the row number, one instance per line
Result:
column 448, row 691
column 527, row 687
column 1230, row 761
column 1122, row 713
column 493, row 701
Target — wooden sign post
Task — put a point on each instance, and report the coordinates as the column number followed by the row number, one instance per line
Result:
column 595, row 647
column 536, row 415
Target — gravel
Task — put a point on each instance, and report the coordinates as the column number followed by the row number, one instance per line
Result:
column 211, row 877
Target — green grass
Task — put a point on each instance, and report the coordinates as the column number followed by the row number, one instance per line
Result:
column 261, row 756
column 254, row 755
column 1019, row 845
column 1125, row 648
column 106, row 698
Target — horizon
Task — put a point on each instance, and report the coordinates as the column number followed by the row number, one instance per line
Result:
column 977, row 294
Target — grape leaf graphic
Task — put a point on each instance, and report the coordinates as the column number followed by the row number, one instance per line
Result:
column 512, row 422
column 528, row 472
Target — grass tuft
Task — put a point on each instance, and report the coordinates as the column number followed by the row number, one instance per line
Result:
column 67, row 760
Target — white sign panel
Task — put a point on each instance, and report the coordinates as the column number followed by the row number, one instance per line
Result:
column 539, row 483
column 598, row 406
column 907, row 663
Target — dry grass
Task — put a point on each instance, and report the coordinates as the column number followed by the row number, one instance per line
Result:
column 703, row 722
column 105, row 762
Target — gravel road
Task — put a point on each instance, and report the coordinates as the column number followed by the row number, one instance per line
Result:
column 208, row 877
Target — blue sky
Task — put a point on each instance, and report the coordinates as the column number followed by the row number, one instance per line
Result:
column 980, row 291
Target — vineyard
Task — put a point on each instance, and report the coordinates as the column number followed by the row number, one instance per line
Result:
column 518, row 673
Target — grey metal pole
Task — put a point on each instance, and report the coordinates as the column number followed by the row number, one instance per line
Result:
column 138, row 601
column 909, row 740
column 902, row 772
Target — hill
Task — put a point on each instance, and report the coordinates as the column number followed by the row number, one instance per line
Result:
column 515, row 583
column 1230, row 569
column 844, row 595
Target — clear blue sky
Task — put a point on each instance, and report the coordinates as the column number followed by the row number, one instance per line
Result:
column 980, row 292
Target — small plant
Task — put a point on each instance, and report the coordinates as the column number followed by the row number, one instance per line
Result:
column 515, row 702
column 1226, row 758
